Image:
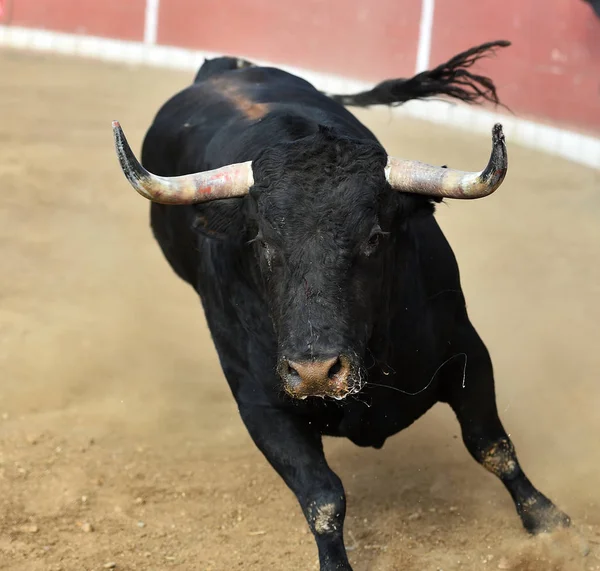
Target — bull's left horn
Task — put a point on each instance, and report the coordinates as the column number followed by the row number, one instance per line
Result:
column 420, row 178
column 225, row 182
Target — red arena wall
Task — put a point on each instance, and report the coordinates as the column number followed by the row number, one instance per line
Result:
column 344, row 37
column 123, row 19
column 551, row 73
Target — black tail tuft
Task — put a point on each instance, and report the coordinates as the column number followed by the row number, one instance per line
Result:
column 451, row 79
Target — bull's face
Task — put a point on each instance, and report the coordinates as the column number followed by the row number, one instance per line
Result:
column 324, row 212
column 325, row 225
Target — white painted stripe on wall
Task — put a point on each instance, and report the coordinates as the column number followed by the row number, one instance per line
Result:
column 151, row 21
column 425, row 35
column 570, row 145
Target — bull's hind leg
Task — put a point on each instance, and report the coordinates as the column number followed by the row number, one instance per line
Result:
column 472, row 397
column 296, row 453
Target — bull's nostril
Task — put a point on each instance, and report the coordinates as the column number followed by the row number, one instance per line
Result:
column 289, row 369
column 293, row 376
column 335, row 368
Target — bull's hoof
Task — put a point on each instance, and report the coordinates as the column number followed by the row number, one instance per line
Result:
column 540, row 515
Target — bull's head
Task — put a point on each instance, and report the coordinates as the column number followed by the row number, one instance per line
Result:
column 323, row 209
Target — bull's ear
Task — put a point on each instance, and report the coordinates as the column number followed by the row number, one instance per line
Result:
column 222, row 219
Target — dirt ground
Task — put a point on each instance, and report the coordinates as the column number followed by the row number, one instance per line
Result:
column 120, row 443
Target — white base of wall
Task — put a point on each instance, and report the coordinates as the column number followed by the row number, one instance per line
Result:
column 574, row 146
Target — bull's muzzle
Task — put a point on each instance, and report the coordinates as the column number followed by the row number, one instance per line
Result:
column 334, row 377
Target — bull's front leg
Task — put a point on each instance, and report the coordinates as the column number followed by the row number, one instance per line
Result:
column 296, row 453
column 470, row 392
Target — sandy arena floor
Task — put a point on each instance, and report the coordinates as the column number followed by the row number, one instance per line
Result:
column 119, row 440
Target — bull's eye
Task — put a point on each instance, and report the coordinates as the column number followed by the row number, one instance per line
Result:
column 373, row 241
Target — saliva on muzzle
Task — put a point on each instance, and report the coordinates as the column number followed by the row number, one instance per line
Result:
column 333, row 376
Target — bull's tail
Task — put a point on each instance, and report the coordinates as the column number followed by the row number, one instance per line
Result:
column 451, row 79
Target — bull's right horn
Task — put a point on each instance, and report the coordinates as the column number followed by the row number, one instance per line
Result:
column 225, row 182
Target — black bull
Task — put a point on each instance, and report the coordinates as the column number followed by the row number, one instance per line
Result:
column 318, row 279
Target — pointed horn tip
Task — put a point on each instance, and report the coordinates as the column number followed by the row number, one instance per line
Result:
column 118, row 135
column 498, row 134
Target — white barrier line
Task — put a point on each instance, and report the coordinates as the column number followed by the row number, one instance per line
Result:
column 425, row 35
column 151, row 21
column 570, row 145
